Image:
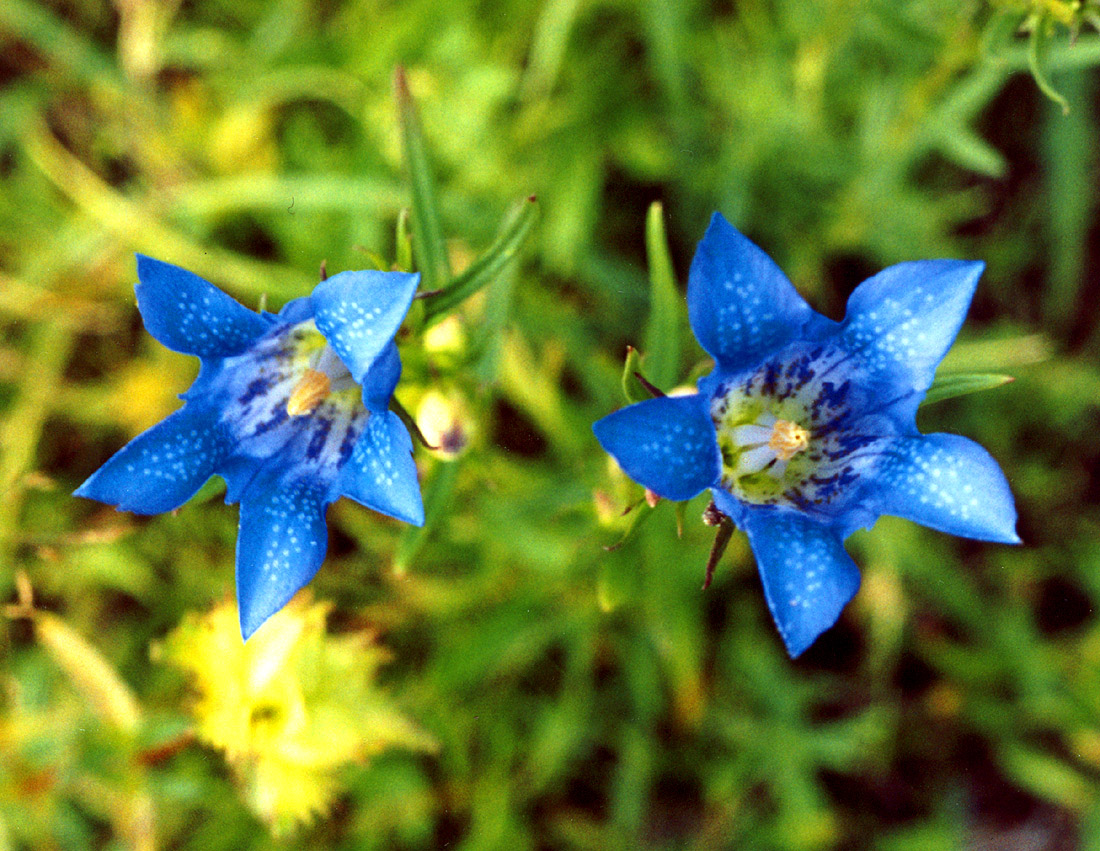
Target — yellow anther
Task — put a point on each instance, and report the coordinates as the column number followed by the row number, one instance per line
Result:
column 310, row 392
column 788, row 439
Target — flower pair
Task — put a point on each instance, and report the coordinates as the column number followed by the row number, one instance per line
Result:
column 804, row 431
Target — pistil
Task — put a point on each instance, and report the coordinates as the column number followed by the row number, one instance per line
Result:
column 312, row 389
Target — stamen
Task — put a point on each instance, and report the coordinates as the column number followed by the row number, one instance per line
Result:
column 788, row 439
column 311, row 391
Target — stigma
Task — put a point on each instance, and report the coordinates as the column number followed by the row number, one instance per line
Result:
column 788, row 439
column 312, row 389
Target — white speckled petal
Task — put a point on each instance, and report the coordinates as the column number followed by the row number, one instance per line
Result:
column 192, row 316
column 280, row 545
column 807, row 574
column 947, row 482
column 667, row 444
column 359, row 312
column 381, row 473
column 901, row 322
column 160, row 469
column 741, row 306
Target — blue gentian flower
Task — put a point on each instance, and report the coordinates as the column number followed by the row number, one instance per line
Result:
column 290, row 409
column 805, row 430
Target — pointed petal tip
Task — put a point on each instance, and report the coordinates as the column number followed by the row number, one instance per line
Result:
column 250, row 622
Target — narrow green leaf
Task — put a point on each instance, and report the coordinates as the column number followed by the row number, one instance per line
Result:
column 1036, row 46
column 517, row 225
column 403, row 256
column 427, row 236
column 960, row 383
column 662, row 332
column 630, row 366
column 618, row 578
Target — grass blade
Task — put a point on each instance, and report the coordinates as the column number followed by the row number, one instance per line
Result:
column 662, row 332
column 428, row 243
column 961, row 383
column 517, row 225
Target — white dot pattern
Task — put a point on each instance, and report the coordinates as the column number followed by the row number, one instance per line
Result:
column 902, row 321
column 162, row 468
column 190, row 315
column 381, row 473
column 282, row 542
column 359, row 313
column 667, row 444
column 808, row 576
column 741, row 305
column 949, row 483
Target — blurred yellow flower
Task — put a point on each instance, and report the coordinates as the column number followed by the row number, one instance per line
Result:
column 290, row 707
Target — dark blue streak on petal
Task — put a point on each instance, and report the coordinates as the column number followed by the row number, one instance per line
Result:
column 278, row 417
column 351, row 435
column 257, row 387
column 322, row 425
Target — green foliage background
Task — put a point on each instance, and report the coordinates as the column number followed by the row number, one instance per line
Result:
column 580, row 699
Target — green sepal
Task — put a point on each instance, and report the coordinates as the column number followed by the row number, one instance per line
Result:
column 428, row 244
column 961, row 383
column 410, row 422
column 513, row 232
column 637, row 513
column 1036, row 47
column 617, row 582
column 631, row 366
column 662, row 331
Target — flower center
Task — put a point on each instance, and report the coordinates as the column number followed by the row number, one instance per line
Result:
column 326, row 376
column 763, row 443
column 789, row 433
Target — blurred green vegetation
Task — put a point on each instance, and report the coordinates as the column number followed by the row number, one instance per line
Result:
column 575, row 698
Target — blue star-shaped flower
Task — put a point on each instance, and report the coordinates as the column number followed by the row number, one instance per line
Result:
column 806, row 429
column 290, row 409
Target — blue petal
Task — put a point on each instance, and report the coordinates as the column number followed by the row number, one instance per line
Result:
column 381, row 474
column 667, row 444
column 808, row 576
column 741, row 305
column 191, row 316
column 901, row 322
column 381, row 378
column 946, row 482
column 162, row 468
column 281, row 543
column 359, row 312
column 294, row 311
